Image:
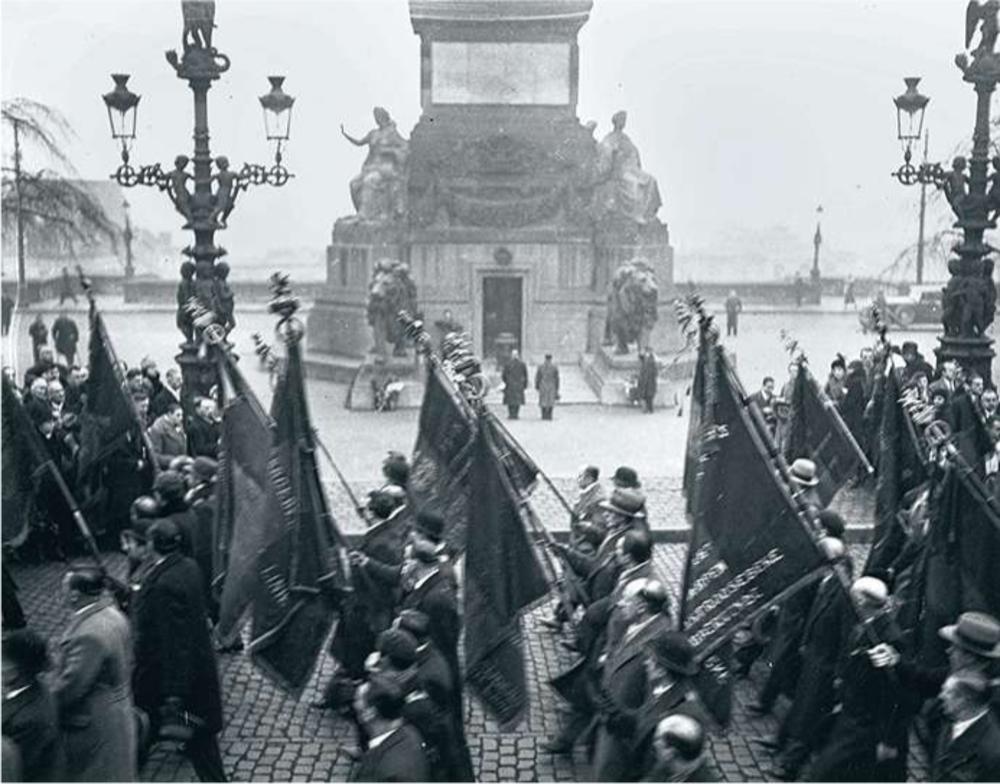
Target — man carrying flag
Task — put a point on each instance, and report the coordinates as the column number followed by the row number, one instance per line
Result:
column 116, row 463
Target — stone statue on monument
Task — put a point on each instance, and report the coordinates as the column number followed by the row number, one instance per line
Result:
column 632, row 305
column 624, row 190
column 379, row 191
column 390, row 291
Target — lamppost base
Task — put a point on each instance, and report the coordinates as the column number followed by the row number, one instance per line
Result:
column 200, row 373
column 973, row 354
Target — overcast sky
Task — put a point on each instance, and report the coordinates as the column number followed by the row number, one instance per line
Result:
column 749, row 113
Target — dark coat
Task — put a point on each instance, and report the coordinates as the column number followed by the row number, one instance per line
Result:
column 92, row 690
column 173, row 649
column 547, row 384
column 624, row 692
column 648, row 372
column 400, row 757
column 203, row 437
column 822, row 642
column 370, row 609
column 973, row 756
column 436, row 598
column 162, row 400
column 515, row 379
column 870, row 703
column 65, row 336
column 31, row 720
column 39, row 333
column 434, row 675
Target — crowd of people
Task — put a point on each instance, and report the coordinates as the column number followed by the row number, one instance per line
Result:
column 137, row 662
column 849, row 661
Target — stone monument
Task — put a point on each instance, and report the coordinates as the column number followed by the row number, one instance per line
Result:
column 510, row 215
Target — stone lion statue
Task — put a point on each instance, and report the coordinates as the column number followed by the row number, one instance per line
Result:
column 632, row 306
column 390, row 291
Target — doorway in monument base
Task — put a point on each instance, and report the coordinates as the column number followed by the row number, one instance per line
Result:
column 503, row 299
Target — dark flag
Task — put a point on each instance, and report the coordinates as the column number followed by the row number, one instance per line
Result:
column 281, row 558
column 963, row 538
column 439, row 474
column 115, row 462
column 502, row 579
column 109, row 424
column 900, row 469
column 817, row 431
column 243, row 507
column 17, row 486
column 748, row 545
column 521, row 469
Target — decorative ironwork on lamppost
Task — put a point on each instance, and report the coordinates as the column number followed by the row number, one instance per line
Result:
column 203, row 197
column 969, row 302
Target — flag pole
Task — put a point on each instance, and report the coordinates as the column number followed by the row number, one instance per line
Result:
column 545, row 477
column 358, row 508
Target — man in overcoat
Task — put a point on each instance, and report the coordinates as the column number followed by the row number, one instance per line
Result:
column 547, row 385
column 176, row 679
column 515, row 380
column 91, row 684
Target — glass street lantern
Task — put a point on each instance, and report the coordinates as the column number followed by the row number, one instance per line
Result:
column 123, row 107
column 277, row 106
column 910, row 108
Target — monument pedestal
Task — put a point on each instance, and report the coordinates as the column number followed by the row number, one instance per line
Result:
column 503, row 213
column 404, row 371
column 611, row 375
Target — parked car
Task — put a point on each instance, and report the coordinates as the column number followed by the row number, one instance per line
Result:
column 922, row 305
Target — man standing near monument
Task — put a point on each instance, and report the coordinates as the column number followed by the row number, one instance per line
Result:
column 515, row 380
column 734, row 306
column 39, row 336
column 547, row 384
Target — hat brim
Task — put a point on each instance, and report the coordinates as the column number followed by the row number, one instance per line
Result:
column 950, row 633
column 805, row 482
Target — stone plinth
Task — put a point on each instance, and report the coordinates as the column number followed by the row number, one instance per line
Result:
column 403, row 369
column 610, row 375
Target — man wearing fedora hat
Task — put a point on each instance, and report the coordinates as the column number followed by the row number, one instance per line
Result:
column 973, row 648
column 599, row 570
column 804, row 481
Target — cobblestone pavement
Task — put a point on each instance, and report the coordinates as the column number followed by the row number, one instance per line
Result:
column 269, row 736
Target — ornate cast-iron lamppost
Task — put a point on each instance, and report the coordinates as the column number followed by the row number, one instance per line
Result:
column 203, row 198
column 972, row 191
